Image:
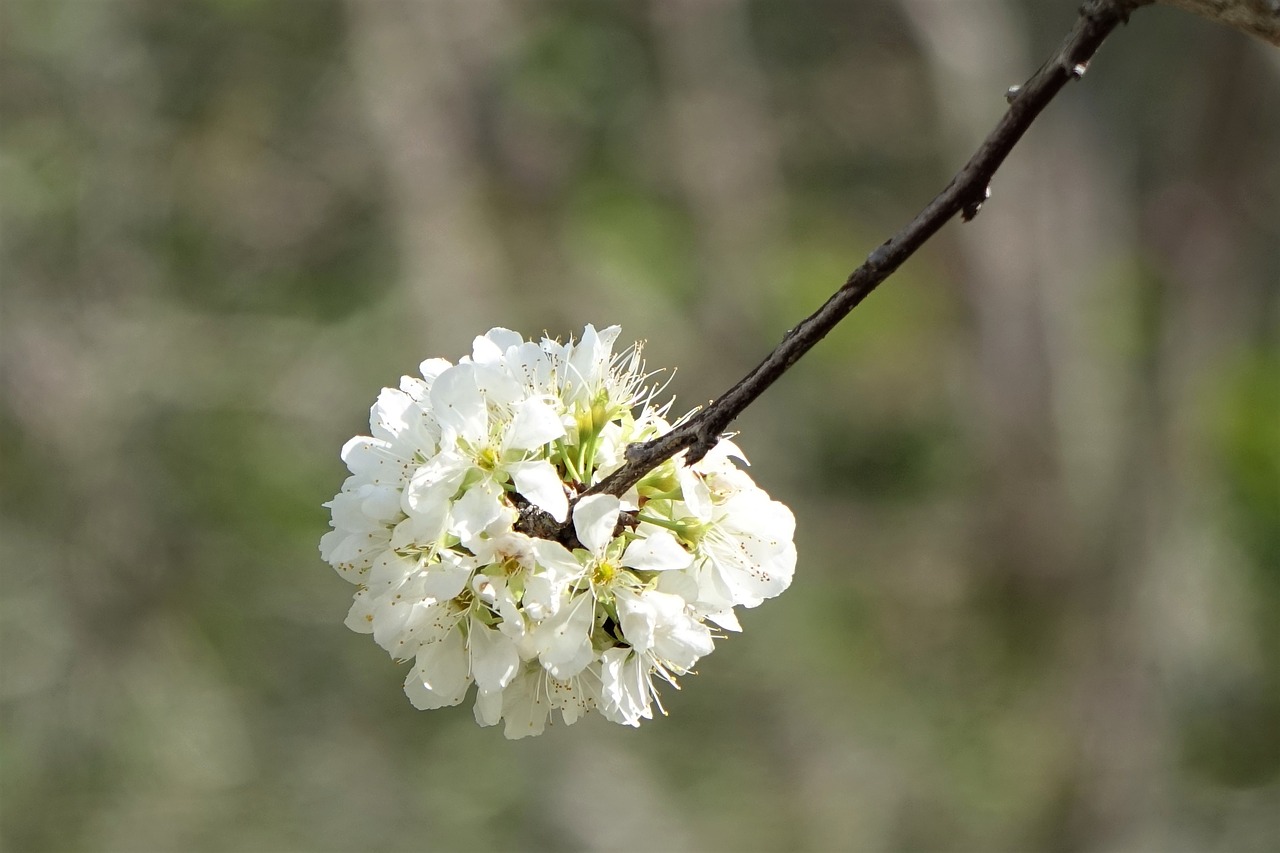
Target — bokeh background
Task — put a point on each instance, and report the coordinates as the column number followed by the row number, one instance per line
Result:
column 1036, row 476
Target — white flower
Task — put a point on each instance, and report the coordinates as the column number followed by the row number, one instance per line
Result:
column 492, row 433
column 533, row 695
column 666, row 640
column 564, row 641
column 426, row 526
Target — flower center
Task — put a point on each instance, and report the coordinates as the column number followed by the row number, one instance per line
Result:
column 604, row 572
column 487, row 459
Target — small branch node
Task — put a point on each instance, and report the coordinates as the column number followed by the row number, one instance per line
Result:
column 971, row 208
column 878, row 256
column 706, row 439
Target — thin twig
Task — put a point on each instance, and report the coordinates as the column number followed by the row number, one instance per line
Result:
column 964, row 195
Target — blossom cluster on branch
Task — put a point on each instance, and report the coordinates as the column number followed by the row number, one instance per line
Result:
column 427, row 527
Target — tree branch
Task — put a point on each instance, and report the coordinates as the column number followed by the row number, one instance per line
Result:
column 963, row 195
column 1258, row 17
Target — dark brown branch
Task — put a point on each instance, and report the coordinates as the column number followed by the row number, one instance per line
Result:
column 964, row 195
column 1258, row 17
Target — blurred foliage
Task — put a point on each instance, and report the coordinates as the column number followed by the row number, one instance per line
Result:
column 1036, row 478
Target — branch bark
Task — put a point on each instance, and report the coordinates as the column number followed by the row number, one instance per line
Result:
column 1258, row 17
column 964, row 195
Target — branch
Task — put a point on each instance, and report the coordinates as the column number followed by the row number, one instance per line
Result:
column 1259, row 17
column 964, row 195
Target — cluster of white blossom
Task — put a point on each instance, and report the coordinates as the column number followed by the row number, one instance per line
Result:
column 426, row 527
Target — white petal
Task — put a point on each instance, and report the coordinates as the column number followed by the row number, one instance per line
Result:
column 574, row 699
column 391, row 615
column 679, row 639
column 539, row 483
column 536, row 422
column 329, row 543
column 637, row 618
column 512, row 624
column 348, row 510
column 415, row 388
column 352, row 553
column 542, row 597
column 490, row 348
column 556, row 558
column 531, row 367
column 496, row 385
column 695, row 492
column 360, row 616
column 391, row 569
column 750, row 574
column 658, row 552
column 682, row 584
column 565, row 670
column 751, row 548
column 507, row 546
column 446, row 580
column 441, row 668
column 478, row 508
column 726, row 619
column 485, row 351
column 589, row 360
column 381, row 503
column 525, row 706
column 433, row 485
column 564, row 637
column 459, row 405
column 428, row 622
column 594, row 519
column 387, row 418
column 423, row 527
column 544, row 588
column 624, row 687
column 433, row 367
column 488, row 708
column 721, row 454
column 374, row 460
column 493, row 657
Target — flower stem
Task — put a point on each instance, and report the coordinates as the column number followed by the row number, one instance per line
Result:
column 568, row 462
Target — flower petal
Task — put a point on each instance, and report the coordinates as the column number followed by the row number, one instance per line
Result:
column 539, row 483
column 439, row 675
column 478, row 508
column 390, row 569
column 496, row 385
column 446, row 580
column 488, row 708
column 695, row 492
column 637, row 618
column 594, row 519
column 564, row 638
column 624, row 687
column 360, row 616
column 493, row 345
column 433, row 367
column 536, row 422
column 531, row 366
column 459, row 405
column 525, row 706
column 433, row 485
column 657, row 552
column 493, row 657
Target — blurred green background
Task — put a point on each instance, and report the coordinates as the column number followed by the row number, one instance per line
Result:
column 1036, row 477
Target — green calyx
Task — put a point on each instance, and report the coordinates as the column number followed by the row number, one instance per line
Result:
column 660, row 484
column 688, row 530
